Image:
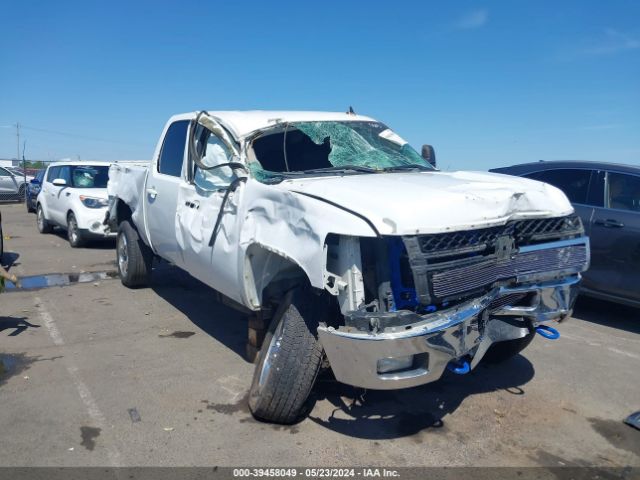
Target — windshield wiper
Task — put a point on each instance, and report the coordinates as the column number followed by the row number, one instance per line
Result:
column 400, row 168
column 341, row 168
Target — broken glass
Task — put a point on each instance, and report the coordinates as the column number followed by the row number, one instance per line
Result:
column 327, row 147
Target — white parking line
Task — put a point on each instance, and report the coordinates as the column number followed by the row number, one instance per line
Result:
column 87, row 398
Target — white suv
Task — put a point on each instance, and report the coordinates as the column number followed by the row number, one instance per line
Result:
column 74, row 197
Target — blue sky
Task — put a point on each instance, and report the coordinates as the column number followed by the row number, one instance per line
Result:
column 487, row 83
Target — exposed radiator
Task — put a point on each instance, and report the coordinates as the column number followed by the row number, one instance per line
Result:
column 462, row 279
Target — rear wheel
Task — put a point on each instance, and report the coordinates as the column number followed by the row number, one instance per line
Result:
column 75, row 236
column 134, row 257
column 502, row 351
column 43, row 224
column 289, row 361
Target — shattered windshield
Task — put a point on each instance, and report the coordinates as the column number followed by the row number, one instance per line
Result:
column 297, row 149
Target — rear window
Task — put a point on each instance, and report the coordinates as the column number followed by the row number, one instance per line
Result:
column 172, row 153
column 572, row 181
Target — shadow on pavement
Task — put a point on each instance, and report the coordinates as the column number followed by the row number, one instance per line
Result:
column 17, row 324
column 9, row 260
column 200, row 305
column 92, row 243
column 607, row 314
column 377, row 414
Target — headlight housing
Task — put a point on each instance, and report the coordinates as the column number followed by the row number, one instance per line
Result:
column 93, row 202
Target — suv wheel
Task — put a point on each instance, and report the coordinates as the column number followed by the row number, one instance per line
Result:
column 43, row 224
column 76, row 239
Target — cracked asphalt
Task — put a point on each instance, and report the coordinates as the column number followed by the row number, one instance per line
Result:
column 95, row 374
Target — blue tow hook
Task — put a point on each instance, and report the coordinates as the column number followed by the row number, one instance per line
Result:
column 548, row 332
column 459, row 367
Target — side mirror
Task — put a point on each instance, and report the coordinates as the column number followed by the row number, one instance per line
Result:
column 60, row 182
column 35, row 181
column 429, row 154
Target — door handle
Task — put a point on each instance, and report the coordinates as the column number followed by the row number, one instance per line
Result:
column 152, row 192
column 609, row 223
column 67, row 194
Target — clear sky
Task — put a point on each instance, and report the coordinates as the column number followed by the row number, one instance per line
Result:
column 487, row 83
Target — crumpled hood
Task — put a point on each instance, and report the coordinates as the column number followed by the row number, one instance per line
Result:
column 435, row 202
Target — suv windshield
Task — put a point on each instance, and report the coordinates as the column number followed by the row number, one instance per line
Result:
column 89, row 176
column 319, row 148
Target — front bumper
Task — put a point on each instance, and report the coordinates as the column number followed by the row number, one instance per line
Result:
column 90, row 220
column 435, row 339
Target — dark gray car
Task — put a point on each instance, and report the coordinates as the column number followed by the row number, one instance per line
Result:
column 607, row 198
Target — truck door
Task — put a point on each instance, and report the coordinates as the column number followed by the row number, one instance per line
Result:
column 199, row 202
column 161, row 195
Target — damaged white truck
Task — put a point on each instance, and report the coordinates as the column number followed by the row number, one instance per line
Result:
column 372, row 262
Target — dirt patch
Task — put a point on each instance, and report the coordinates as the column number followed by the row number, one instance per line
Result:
column 89, row 435
column 178, row 334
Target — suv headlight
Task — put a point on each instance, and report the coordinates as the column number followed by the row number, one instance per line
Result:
column 93, row 202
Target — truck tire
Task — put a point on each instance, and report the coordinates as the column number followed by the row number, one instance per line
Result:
column 43, row 224
column 74, row 234
column 134, row 258
column 502, row 351
column 289, row 360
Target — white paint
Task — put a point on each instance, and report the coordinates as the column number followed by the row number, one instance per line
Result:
column 94, row 412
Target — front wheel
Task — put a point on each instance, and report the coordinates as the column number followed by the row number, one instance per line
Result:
column 43, row 224
column 76, row 239
column 134, row 257
column 289, row 360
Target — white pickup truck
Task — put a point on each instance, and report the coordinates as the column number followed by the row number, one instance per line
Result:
column 372, row 261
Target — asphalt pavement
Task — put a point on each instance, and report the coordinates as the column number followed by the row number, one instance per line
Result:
column 95, row 374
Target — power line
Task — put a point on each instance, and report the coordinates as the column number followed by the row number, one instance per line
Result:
column 74, row 135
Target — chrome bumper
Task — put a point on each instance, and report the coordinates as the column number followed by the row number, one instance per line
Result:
column 435, row 339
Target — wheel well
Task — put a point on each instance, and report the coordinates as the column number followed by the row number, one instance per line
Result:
column 269, row 275
column 123, row 212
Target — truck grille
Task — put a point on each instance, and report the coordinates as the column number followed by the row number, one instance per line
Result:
column 454, row 281
column 524, row 232
column 455, row 265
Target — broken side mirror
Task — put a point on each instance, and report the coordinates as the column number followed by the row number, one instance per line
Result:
column 429, row 154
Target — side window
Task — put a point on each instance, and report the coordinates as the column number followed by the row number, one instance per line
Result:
column 572, row 181
column 4, row 173
column 596, row 189
column 215, row 153
column 52, row 174
column 65, row 174
column 623, row 192
column 172, row 153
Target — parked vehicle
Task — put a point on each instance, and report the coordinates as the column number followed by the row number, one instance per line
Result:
column 1, row 240
column 74, row 197
column 33, row 189
column 12, row 185
column 607, row 198
column 354, row 245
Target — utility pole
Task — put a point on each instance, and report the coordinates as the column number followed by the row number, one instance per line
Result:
column 18, row 141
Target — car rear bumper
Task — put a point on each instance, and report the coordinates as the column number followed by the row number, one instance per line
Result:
column 430, row 342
